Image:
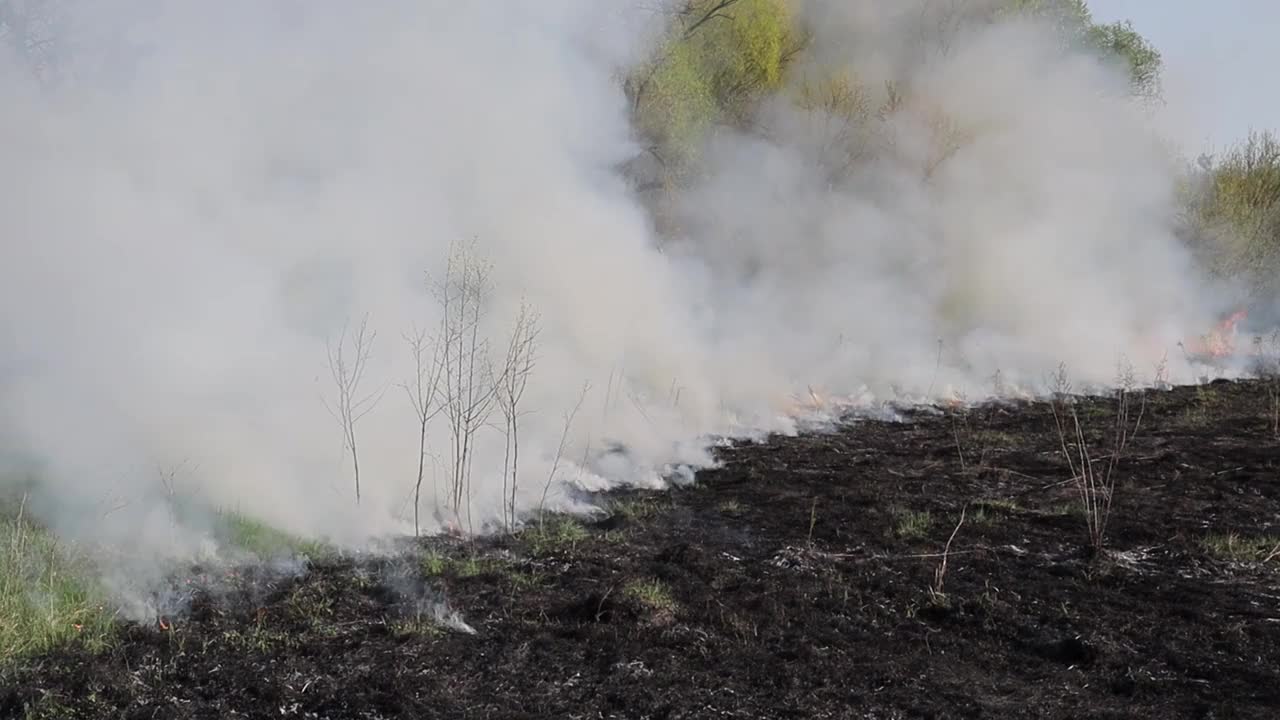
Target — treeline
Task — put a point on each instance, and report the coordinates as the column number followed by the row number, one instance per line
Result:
column 722, row 58
column 724, row 63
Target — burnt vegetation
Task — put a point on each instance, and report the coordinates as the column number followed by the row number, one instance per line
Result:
column 858, row 572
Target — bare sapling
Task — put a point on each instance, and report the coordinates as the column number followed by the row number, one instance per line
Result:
column 169, row 485
column 422, row 390
column 348, row 362
column 555, row 461
column 955, row 432
column 466, row 391
column 1095, row 489
column 510, row 383
column 1162, row 374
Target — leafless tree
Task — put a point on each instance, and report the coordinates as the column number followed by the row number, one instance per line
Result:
column 348, row 361
column 564, row 439
column 466, row 391
column 510, row 382
column 423, row 390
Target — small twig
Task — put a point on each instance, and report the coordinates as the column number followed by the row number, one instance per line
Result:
column 940, row 574
column 813, row 520
column 1275, row 553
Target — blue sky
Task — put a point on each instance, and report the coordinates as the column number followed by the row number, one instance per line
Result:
column 1220, row 63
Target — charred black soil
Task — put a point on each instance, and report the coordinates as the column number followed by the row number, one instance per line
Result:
column 798, row 580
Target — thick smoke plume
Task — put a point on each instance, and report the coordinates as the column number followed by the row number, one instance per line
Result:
column 199, row 197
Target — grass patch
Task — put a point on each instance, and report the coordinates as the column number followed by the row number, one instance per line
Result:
column 1236, row 548
column 1007, row 507
column 311, row 605
column 636, row 508
column 653, row 594
column 425, row 626
column 473, row 566
column 557, row 533
column 46, row 595
column 981, row 517
column 436, row 564
column 911, row 524
column 260, row 639
column 262, row 540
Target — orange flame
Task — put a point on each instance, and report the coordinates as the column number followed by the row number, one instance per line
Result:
column 1220, row 342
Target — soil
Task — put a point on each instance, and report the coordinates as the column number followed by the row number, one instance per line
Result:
column 797, row 580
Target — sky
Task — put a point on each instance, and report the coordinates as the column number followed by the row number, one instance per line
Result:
column 1219, row 61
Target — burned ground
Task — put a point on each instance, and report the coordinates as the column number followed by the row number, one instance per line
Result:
column 799, row 579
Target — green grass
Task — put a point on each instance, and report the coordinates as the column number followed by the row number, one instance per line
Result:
column 262, row 540
column 557, row 533
column 434, row 564
column 47, row 594
column 427, row 627
column 1237, row 548
column 653, row 594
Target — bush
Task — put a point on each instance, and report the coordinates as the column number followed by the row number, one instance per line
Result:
column 1232, row 214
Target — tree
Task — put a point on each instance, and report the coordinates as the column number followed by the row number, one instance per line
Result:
column 510, row 384
column 466, row 389
column 719, row 58
column 423, row 390
column 347, row 366
column 1119, row 40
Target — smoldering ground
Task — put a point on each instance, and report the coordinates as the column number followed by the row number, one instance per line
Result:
column 200, row 201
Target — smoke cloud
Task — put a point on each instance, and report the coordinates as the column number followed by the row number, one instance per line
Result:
column 199, row 197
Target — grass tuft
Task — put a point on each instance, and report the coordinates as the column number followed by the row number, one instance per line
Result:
column 653, row 594
column 911, row 524
column 558, row 533
column 1236, row 548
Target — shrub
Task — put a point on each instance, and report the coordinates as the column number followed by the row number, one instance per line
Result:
column 1232, row 211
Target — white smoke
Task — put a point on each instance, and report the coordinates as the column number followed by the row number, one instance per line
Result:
column 209, row 193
